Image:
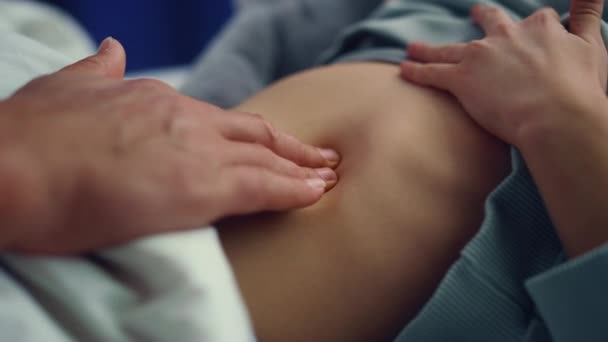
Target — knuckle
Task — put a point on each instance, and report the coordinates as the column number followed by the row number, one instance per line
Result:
column 546, row 15
column 148, row 85
column 270, row 133
column 255, row 116
column 186, row 184
column 177, row 126
column 505, row 29
column 477, row 48
column 267, row 132
column 465, row 73
column 589, row 7
column 492, row 11
column 265, row 156
column 302, row 154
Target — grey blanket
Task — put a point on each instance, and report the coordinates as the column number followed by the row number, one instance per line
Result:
column 266, row 40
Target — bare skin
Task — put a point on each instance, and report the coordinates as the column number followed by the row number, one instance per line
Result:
column 360, row 263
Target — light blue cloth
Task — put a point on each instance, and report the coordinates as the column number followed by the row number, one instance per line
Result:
column 267, row 40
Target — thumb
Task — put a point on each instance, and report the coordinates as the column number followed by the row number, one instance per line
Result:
column 109, row 61
column 586, row 18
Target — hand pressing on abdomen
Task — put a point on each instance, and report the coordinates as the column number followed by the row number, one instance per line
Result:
column 89, row 160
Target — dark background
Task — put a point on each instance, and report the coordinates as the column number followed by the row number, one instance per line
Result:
column 155, row 33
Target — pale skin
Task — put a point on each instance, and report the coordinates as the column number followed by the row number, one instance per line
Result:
column 90, row 160
column 556, row 111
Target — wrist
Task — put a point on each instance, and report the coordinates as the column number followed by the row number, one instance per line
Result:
column 568, row 160
column 546, row 128
column 18, row 189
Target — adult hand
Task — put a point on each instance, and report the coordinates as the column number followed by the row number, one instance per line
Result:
column 522, row 74
column 88, row 160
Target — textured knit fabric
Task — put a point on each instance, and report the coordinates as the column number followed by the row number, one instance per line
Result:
column 511, row 284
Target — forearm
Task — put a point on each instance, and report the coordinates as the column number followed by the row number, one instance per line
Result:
column 568, row 158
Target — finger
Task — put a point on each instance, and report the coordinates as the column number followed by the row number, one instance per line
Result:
column 109, row 61
column 549, row 13
column 492, row 20
column 544, row 16
column 586, row 18
column 440, row 76
column 253, row 128
column 244, row 154
column 453, row 53
column 259, row 189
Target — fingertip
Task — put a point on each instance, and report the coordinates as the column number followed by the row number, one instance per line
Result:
column 327, row 174
column 304, row 193
column 331, row 156
column 109, row 61
column 115, row 52
column 317, row 184
column 105, row 45
column 476, row 11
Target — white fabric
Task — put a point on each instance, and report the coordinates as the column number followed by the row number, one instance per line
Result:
column 47, row 25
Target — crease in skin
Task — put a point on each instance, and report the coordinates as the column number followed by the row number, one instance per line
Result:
column 360, row 263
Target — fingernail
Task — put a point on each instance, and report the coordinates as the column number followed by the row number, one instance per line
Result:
column 105, row 44
column 316, row 183
column 327, row 174
column 330, row 155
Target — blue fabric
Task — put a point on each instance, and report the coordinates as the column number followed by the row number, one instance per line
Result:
column 154, row 32
column 266, row 41
column 571, row 298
